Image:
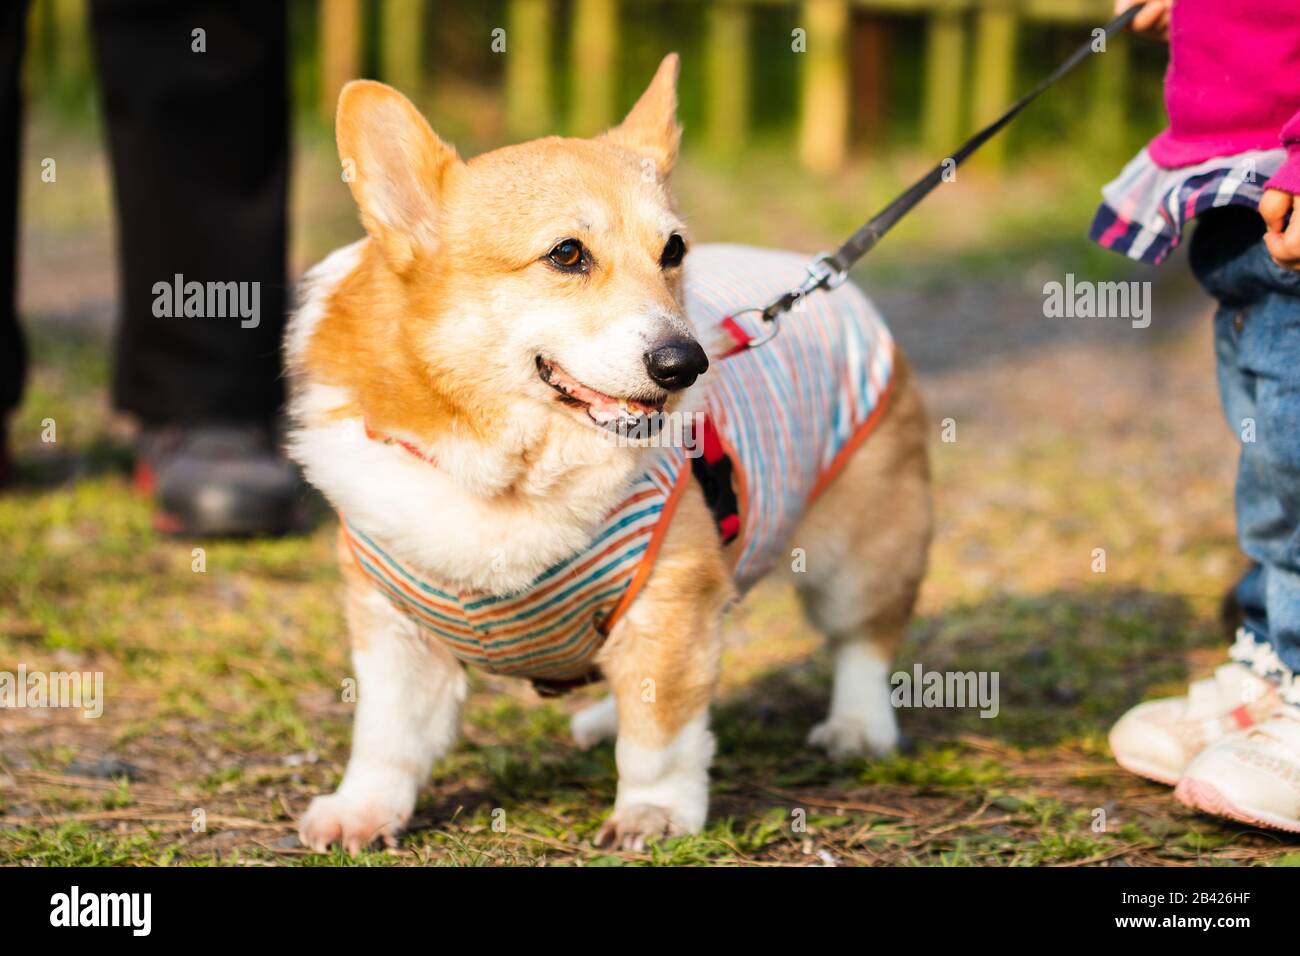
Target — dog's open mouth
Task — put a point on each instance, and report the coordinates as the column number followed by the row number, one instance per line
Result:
column 607, row 411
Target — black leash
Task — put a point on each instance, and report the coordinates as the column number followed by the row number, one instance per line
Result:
column 830, row 269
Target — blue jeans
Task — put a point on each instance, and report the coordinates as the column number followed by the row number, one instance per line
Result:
column 1257, row 346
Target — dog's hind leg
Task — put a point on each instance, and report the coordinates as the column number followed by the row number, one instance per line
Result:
column 410, row 690
column 865, row 542
column 861, row 719
column 594, row 723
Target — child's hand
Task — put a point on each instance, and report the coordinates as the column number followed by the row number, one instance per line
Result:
column 1153, row 21
column 1282, row 239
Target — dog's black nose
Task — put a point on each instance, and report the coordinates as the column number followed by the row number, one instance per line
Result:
column 676, row 363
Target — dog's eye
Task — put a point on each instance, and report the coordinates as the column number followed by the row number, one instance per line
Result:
column 567, row 255
column 674, row 249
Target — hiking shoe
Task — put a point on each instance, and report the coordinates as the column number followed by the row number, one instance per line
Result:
column 218, row 480
column 1251, row 776
column 1158, row 739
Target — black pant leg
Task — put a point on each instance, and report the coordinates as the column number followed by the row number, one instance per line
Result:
column 199, row 144
column 13, row 350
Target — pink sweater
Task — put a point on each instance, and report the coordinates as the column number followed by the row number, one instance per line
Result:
column 1233, row 84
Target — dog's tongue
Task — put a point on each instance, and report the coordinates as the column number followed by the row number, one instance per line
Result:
column 601, row 407
column 605, row 409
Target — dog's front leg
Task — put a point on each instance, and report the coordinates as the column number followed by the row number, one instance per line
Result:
column 662, row 661
column 410, row 690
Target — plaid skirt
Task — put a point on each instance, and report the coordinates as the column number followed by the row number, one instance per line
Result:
column 1146, row 207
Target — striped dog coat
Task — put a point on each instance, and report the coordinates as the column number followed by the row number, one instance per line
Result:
column 780, row 421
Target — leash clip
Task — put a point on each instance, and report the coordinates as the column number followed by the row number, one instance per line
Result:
column 821, row 275
column 768, row 320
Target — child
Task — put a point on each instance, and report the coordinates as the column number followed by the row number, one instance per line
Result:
column 1231, row 159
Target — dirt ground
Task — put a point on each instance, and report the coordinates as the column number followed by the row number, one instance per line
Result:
column 224, row 711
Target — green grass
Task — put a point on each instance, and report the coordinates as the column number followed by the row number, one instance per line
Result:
column 224, row 691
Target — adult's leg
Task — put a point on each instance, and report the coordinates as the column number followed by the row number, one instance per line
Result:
column 196, row 99
column 199, row 142
column 13, row 353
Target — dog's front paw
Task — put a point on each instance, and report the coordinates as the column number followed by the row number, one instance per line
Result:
column 846, row 737
column 353, row 822
column 634, row 826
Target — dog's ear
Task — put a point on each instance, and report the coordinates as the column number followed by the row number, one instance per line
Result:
column 394, row 164
column 651, row 129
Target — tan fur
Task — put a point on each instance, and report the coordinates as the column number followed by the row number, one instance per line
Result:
column 873, row 524
column 650, row 128
column 661, row 661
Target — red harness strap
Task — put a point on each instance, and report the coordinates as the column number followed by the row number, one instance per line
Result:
column 713, row 470
column 742, row 337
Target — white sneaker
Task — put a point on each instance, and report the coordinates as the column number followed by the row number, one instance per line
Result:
column 1160, row 738
column 1251, row 776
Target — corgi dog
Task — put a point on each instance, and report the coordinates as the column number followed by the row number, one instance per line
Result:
column 473, row 385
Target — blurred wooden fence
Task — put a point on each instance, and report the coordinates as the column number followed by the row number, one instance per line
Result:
column 967, row 75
